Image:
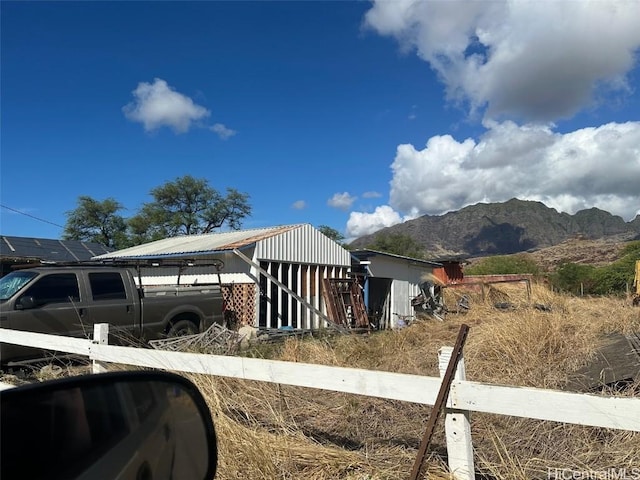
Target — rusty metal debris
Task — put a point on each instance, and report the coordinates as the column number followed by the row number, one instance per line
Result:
column 216, row 340
column 441, row 401
column 345, row 303
column 431, row 299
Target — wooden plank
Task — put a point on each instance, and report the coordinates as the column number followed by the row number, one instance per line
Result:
column 581, row 409
column 557, row 406
column 360, row 310
column 330, row 302
column 615, row 360
column 56, row 343
column 578, row 408
column 393, row 386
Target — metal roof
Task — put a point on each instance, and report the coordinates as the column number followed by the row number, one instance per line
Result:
column 365, row 253
column 49, row 250
column 199, row 244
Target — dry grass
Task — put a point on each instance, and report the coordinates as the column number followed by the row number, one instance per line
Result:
column 268, row 431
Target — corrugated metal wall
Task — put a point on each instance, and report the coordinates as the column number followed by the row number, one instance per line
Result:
column 304, row 245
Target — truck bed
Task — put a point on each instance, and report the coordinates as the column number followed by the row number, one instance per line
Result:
column 180, row 290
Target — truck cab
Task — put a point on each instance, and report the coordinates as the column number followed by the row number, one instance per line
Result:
column 69, row 300
column 66, row 301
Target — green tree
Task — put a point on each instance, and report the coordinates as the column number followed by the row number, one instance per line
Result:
column 614, row 278
column 504, row 265
column 574, row 278
column 97, row 221
column 332, row 233
column 398, row 244
column 606, row 280
column 188, row 206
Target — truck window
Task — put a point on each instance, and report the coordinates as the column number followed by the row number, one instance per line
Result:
column 55, row 288
column 13, row 282
column 107, row 286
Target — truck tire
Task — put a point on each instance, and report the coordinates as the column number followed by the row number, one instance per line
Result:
column 182, row 328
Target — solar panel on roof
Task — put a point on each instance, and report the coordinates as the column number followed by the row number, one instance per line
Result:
column 78, row 250
column 50, row 249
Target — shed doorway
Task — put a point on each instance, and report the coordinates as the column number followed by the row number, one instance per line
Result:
column 378, row 301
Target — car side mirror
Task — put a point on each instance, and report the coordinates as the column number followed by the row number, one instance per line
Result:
column 126, row 425
column 25, row 303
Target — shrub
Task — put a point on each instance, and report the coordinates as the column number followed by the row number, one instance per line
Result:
column 503, row 265
column 574, row 278
column 614, row 278
column 606, row 280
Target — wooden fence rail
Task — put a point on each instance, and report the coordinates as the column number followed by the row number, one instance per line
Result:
column 464, row 396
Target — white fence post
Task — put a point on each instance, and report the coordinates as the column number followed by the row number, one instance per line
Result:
column 100, row 337
column 457, row 426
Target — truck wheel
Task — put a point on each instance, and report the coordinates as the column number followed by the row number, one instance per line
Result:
column 182, row 328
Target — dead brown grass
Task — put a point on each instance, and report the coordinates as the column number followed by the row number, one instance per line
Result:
column 268, row 431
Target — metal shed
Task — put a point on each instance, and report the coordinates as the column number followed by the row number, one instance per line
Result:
column 272, row 277
column 390, row 282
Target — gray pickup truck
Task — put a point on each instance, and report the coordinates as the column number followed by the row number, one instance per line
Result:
column 70, row 300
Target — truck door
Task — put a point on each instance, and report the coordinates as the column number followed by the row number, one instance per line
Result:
column 52, row 304
column 111, row 303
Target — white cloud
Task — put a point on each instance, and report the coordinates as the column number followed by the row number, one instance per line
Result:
column 157, row 105
column 299, row 205
column 529, row 60
column 343, row 201
column 371, row 195
column 361, row 223
column 222, row 131
column 413, row 115
column 532, row 62
column 591, row 166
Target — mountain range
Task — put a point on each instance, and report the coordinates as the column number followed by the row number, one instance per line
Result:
column 504, row 228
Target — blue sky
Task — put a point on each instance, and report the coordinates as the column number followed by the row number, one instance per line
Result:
column 356, row 115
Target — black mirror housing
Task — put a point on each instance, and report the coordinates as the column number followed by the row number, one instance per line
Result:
column 26, row 303
column 129, row 425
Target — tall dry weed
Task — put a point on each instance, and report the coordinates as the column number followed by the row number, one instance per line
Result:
column 269, row 431
column 259, row 437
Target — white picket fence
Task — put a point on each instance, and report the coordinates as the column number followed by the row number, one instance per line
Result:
column 464, row 396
